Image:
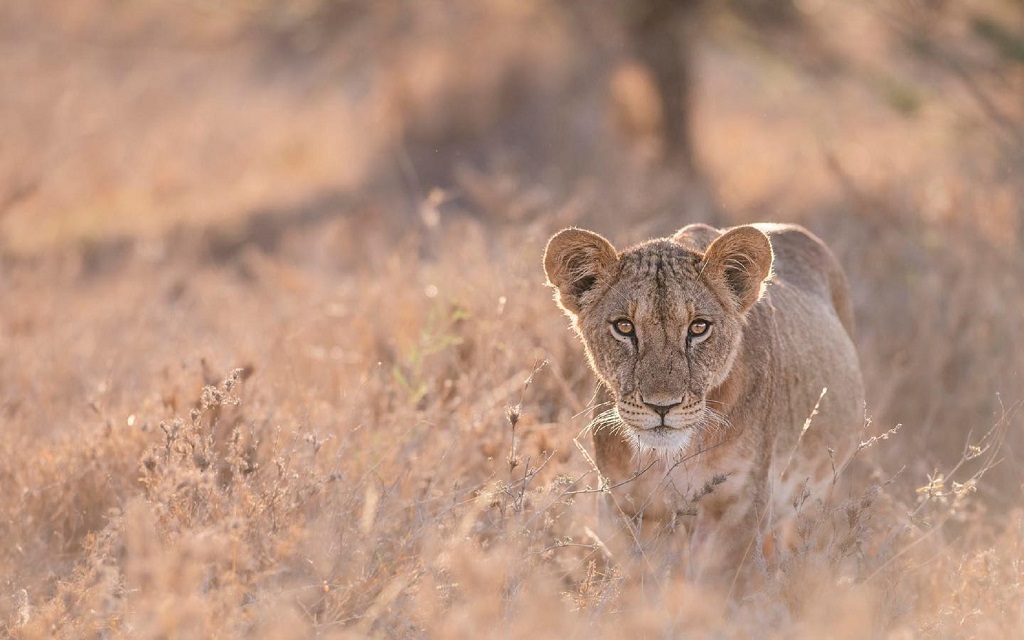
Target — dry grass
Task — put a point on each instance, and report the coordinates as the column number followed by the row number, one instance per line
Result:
column 259, row 377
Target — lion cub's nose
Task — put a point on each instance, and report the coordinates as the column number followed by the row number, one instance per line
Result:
column 662, row 409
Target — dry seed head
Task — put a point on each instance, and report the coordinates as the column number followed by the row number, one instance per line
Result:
column 171, row 429
column 233, row 378
column 800, row 498
column 512, row 414
column 709, row 486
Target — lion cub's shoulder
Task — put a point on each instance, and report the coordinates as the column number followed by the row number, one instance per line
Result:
column 697, row 237
column 803, row 260
column 797, row 248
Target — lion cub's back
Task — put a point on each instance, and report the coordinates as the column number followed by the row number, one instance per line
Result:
column 813, row 323
column 804, row 261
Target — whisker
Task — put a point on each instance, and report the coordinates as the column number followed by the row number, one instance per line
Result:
column 591, row 408
column 608, row 419
column 716, row 423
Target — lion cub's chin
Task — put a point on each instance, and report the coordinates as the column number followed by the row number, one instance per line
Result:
column 663, row 442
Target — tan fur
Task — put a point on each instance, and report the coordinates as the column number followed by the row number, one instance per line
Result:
column 734, row 401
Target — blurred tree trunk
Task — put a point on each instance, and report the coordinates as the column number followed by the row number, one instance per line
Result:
column 661, row 37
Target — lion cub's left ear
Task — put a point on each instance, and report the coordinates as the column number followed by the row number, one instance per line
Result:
column 741, row 259
column 575, row 261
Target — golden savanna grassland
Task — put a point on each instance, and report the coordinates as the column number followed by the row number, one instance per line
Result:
column 277, row 359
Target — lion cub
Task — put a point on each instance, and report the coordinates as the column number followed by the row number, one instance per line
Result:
column 716, row 347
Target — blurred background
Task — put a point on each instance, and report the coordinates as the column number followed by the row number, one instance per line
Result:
column 350, row 200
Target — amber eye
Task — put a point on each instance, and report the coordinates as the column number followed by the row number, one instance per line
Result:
column 699, row 328
column 624, row 328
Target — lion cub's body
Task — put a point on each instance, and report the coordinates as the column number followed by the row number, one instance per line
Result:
column 775, row 303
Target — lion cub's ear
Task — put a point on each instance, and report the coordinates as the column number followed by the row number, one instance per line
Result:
column 742, row 259
column 575, row 260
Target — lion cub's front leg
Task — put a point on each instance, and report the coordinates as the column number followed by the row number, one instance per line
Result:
column 660, row 500
column 724, row 542
column 633, row 513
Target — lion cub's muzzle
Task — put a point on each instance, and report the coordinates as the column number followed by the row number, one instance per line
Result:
column 654, row 424
column 659, row 412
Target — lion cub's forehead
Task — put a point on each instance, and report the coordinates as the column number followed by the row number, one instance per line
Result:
column 660, row 259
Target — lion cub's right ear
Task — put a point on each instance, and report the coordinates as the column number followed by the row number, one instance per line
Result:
column 575, row 260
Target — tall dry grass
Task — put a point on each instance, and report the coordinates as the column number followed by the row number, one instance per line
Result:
column 267, row 372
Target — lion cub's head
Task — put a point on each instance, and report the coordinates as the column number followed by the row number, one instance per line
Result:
column 661, row 322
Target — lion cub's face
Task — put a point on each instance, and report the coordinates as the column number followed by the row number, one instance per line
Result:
column 661, row 322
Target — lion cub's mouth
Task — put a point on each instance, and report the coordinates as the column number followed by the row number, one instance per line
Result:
column 664, row 429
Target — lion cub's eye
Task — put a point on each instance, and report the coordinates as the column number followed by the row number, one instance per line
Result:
column 623, row 328
column 699, row 328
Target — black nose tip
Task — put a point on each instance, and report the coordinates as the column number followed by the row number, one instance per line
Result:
column 662, row 409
